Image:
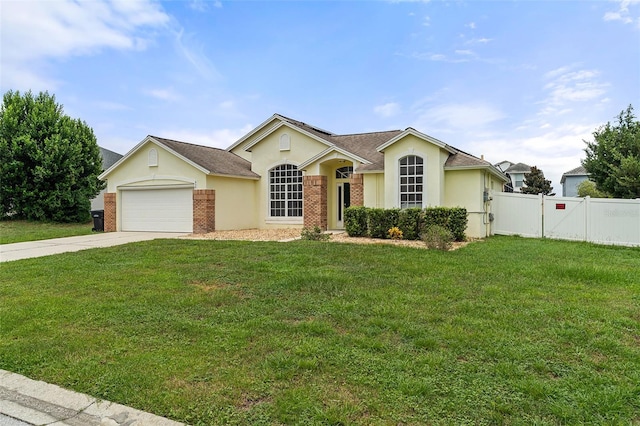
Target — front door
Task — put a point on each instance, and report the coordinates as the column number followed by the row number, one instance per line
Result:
column 343, row 201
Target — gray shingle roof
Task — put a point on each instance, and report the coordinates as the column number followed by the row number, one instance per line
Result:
column 109, row 158
column 216, row 161
column 519, row 168
column 578, row 171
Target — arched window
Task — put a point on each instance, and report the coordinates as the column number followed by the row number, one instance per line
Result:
column 285, row 191
column 344, row 172
column 411, row 181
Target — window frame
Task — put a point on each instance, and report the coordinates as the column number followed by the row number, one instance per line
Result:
column 411, row 181
column 286, row 198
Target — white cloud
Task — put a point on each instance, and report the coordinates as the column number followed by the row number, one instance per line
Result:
column 626, row 12
column 387, row 110
column 471, row 25
column 566, row 87
column 167, row 94
column 459, row 117
column 426, row 21
column 195, row 56
column 220, row 138
column 34, row 32
column 482, row 40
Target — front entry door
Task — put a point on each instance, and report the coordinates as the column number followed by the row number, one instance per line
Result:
column 343, row 201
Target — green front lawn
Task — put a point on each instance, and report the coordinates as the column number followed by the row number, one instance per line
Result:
column 505, row 331
column 17, row 231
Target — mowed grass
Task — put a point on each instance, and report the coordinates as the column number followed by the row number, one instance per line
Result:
column 18, row 231
column 505, row 331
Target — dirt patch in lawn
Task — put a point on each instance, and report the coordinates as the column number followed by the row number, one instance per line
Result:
column 293, row 234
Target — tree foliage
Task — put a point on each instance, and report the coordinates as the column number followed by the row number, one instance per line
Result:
column 535, row 183
column 587, row 188
column 613, row 158
column 49, row 162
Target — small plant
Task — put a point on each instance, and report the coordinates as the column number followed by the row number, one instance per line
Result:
column 438, row 237
column 395, row 233
column 314, row 234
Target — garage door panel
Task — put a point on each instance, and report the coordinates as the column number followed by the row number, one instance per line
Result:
column 160, row 210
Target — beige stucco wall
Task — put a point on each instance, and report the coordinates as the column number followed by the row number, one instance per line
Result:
column 135, row 170
column 434, row 158
column 235, row 202
column 374, row 190
column 463, row 188
column 266, row 155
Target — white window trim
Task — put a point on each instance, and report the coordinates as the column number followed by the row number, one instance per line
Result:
column 293, row 220
column 424, row 175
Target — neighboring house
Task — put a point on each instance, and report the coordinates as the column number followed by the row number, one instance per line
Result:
column 515, row 172
column 109, row 158
column 285, row 173
column 571, row 179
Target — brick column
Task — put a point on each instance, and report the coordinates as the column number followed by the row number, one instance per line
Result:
column 356, row 182
column 110, row 212
column 315, row 201
column 204, row 211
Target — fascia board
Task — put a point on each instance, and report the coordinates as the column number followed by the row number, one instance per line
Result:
column 253, row 132
column 414, row 132
column 487, row 167
column 292, row 127
column 328, row 151
column 235, row 176
column 180, row 156
column 133, row 150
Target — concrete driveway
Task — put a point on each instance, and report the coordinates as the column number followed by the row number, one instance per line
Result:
column 17, row 251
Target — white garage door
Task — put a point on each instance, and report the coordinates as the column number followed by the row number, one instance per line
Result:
column 159, row 210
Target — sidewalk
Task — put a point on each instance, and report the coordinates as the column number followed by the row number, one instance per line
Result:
column 29, row 402
column 26, row 250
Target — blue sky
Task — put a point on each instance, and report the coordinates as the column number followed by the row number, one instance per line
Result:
column 524, row 81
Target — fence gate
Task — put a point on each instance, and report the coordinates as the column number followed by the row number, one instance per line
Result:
column 517, row 214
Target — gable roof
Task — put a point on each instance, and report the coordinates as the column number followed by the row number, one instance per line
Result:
column 209, row 160
column 578, row 171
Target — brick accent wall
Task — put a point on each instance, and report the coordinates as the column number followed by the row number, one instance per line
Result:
column 204, row 211
column 110, row 212
column 357, row 189
column 315, row 201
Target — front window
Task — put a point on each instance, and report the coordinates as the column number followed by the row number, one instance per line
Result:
column 285, row 191
column 411, row 181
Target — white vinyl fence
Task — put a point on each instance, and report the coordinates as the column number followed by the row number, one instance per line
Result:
column 597, row 220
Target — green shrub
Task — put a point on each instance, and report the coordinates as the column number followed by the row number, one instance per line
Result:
column 452, row 218
column 355, row 221
column 458, row 223
column 410, row 222
column 437, row 237
column 314, row 234
column 381, row 220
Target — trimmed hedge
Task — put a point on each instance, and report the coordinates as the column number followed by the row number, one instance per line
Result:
column 376, row 222
column 355, row 221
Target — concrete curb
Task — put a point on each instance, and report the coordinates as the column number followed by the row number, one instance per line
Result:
column 38, row 403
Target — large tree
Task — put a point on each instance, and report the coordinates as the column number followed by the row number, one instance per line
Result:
column 613, row 158
column 49, row 162
column 535, row 183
